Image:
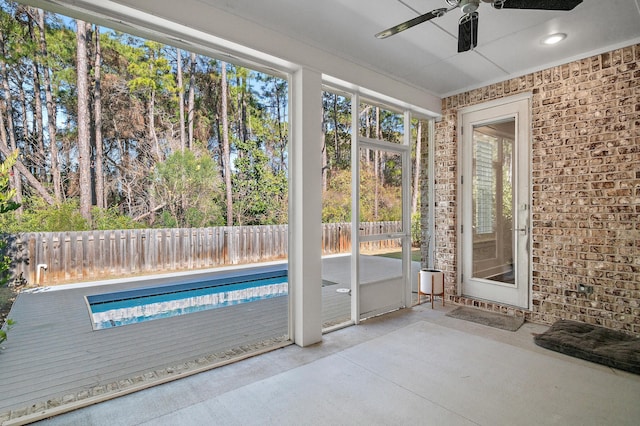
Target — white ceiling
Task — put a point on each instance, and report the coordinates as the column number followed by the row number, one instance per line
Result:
column 336, row 37
column 426, row 56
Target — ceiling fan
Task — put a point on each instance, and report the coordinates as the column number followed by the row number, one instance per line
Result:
column 468, row 24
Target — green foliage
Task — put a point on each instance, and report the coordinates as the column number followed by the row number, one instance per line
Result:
column 190, row 189
column 6, row 205
column 151, row 70
column 260, row 192
column 389, row 202
column 6, row 193
column 111, row 218
column 5, row 262
column 380, row 123
column 39, row 216
column 3, row 333
column 336, row 126
column 416, row 229
column 336, row 200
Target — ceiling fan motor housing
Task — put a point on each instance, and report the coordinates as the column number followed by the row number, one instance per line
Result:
column 469, row 6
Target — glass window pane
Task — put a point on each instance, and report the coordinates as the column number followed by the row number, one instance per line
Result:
column 336, row 209
column 493, row 201
column 380, row 192
column 381, row 283
column 382, row 124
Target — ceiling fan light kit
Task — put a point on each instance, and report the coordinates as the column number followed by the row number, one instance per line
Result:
column 468, row 23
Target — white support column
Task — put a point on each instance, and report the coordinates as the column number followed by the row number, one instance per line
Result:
column 305, row 207
column 406, row 209
column 431, row 196
column 355, row 209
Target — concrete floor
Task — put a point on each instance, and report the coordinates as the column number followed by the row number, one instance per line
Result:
column 414, row 366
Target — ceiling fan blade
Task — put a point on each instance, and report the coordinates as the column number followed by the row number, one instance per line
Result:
column 468, row 32
column 436, row 13
column 537, row 4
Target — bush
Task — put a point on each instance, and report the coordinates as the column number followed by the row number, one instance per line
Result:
column 416, row 233
column 111, row 218
column 6, row 205
column 39, row 216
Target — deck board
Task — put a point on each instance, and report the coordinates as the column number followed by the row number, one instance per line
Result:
column 54, row 350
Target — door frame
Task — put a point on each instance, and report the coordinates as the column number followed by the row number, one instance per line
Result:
column 523, row 131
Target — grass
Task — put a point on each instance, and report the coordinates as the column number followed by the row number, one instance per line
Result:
column 415, row 255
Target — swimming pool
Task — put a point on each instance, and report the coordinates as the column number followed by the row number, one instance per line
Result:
column 137, row 305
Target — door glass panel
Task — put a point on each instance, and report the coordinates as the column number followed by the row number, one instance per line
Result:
column 380, row 192
column 336, row 210
column 492, row 191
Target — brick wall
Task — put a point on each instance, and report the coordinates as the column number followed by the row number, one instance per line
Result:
column 586, row 189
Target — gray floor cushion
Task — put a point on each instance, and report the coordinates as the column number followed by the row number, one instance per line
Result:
column 593, row 343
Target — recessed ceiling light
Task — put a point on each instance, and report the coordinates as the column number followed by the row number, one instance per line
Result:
column 554, row 38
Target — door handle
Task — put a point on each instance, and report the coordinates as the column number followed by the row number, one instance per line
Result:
column 520, row 230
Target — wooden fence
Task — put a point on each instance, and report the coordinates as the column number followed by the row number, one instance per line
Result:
column 92, row 255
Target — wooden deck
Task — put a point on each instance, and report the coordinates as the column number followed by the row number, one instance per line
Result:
column 54, row 357
column 53, row 352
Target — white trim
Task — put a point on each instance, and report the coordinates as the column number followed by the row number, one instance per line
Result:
column 384, row 145
column 491, row 104
column 380, row 99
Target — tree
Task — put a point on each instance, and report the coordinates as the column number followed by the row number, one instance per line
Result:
column 97, row 123
column 337, row 136
column 192, row 96
column 226, row 146
column 273, row 129
column 61, row 80
column 9, row 142
column 336, row 200
column 7, row 204
column 260, row 193
column 84, row 135
column 153, row 81
column 51, row 111
column 183, row 135
column 184, row 176
column 416, row 169
column 152, row 77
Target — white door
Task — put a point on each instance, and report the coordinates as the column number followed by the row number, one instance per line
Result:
column 380, row 284
column 495, row 227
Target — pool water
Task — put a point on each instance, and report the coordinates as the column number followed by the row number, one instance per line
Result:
column 149, row 303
